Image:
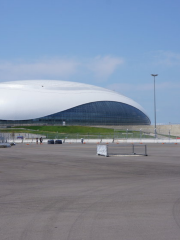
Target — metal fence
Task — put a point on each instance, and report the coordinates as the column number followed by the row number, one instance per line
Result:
column 122, row 149
column 76, row 137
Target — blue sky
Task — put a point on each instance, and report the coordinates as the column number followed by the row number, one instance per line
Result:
column 115, row 44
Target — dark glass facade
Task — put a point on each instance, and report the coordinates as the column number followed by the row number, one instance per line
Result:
column 95, row 113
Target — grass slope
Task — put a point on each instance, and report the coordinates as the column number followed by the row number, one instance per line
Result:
column 60, row 132
column 70, row 129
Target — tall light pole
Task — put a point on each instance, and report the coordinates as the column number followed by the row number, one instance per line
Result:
column 155, row 132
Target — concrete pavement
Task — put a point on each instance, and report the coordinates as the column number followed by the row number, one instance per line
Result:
column 66, row 192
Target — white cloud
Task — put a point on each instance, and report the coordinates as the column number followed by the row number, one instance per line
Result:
column 100, row 67
column 167, row 58
column 37, row 69
column 118, row 87
column 103, row 67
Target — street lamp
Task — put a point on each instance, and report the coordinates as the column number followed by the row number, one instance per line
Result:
column 155, row 132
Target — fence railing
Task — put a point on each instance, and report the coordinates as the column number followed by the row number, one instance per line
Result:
column 5, row 137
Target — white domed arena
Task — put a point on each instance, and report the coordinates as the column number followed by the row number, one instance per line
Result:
column 54, row 102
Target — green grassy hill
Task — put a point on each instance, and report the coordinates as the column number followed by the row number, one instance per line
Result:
column 70, row 129
column 75, row 132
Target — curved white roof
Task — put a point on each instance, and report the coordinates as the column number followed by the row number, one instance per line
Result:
column 22, row 100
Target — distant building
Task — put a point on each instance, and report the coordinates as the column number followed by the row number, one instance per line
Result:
column 59, row 102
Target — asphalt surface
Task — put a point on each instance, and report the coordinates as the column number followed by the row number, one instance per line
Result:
column 66, row 192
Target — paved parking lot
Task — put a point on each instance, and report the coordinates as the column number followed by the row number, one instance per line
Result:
column 66, row 192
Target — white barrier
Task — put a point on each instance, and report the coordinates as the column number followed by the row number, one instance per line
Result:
column 102, row 150
column 105, row 141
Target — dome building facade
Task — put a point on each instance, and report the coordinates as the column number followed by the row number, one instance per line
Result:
column 55, row 102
